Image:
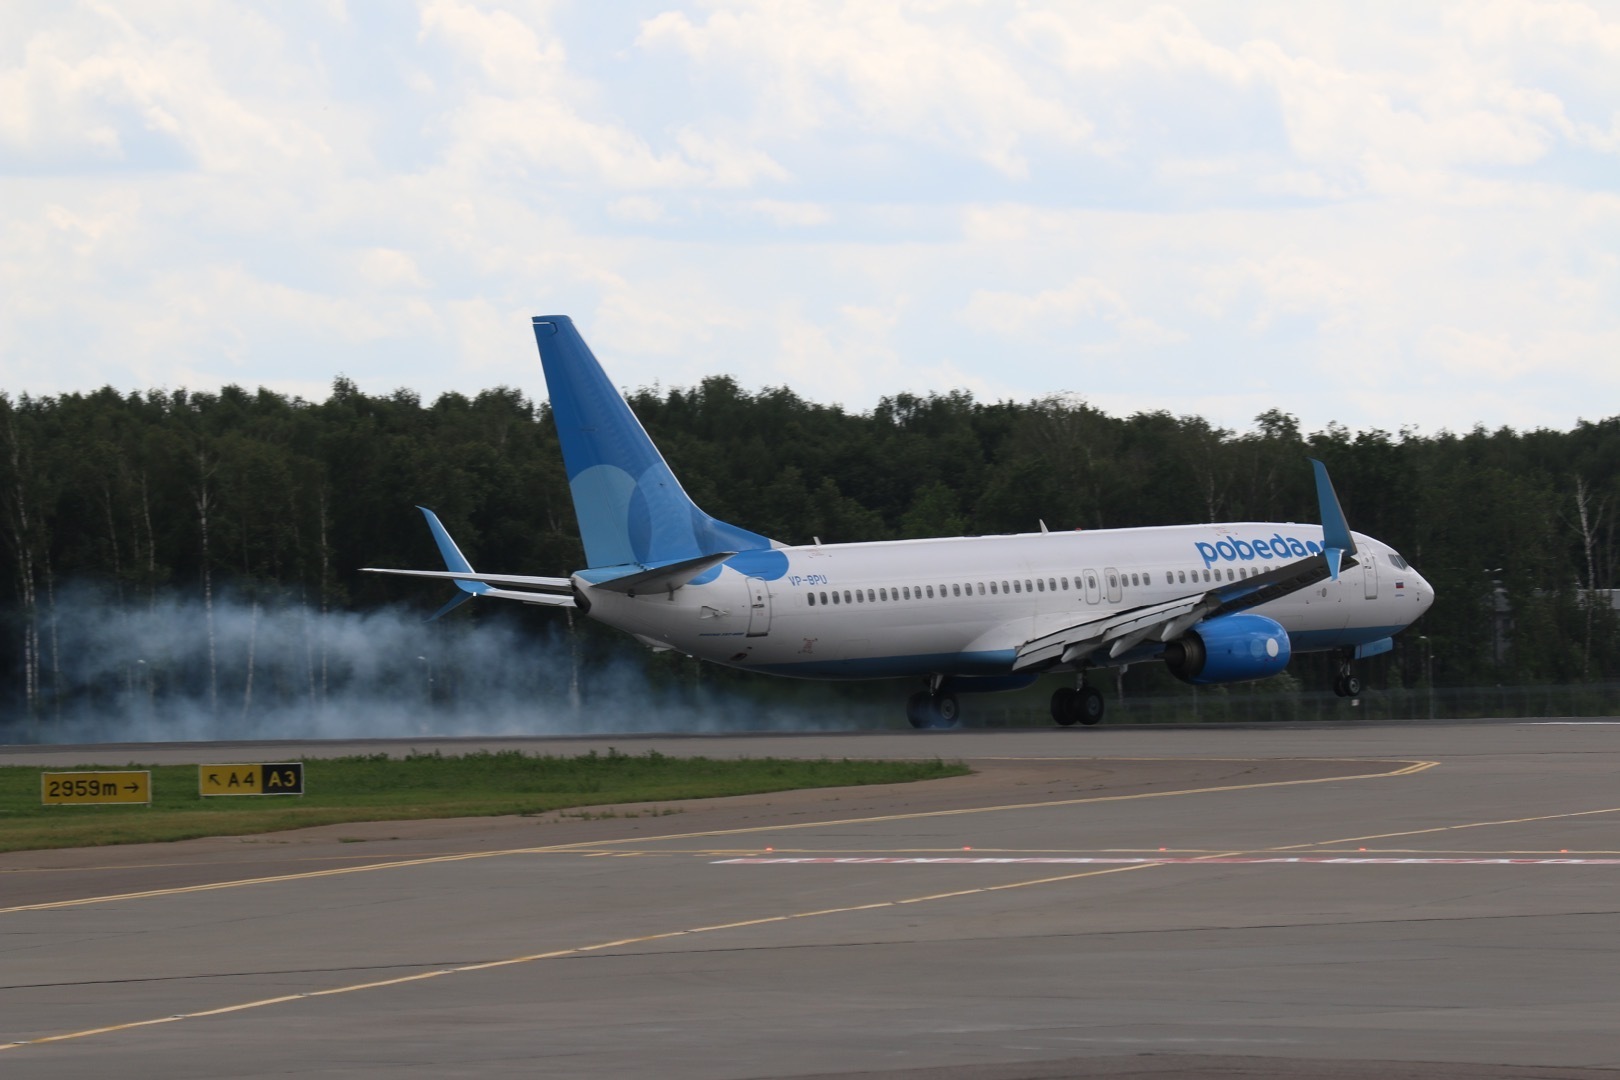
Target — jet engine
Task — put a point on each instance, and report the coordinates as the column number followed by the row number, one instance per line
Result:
column 1230, row 648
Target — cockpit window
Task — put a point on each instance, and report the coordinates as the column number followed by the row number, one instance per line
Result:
column 1398, row 561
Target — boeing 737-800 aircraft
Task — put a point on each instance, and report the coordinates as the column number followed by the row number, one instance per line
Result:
column 1216, row 603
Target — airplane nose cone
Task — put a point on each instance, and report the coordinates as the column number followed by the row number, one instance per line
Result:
column 1425, row 592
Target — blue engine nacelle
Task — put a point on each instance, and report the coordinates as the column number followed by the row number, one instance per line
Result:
column 1231, row 648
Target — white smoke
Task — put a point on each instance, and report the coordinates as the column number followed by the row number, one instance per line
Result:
column 282, row 670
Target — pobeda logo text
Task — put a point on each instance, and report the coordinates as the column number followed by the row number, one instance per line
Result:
column 1277, row 547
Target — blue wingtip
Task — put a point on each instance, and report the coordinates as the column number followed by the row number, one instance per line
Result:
column 1336, row 539
column 451, row 604
column 453, row 558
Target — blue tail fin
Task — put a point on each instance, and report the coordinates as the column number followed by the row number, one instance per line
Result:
column 631, row 508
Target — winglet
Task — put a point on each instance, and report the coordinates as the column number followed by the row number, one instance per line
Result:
column 453, row 560
column 1336, row 539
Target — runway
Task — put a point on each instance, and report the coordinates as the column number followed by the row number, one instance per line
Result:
column 1317, row 902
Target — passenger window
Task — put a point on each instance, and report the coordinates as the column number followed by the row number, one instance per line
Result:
column 908, row 592
column 859, row 597
column 883, row 594
column 956, row 590
column 1004, row 587
column 1040, row 585
column 1091, row 581
column 992, row 588
column 846, row 597
column 812, row 599
column 1113, row 582
column 1147, row 578
column 930, row 592
column 823, row 599
column 871, row 597
column 1018, row 587
column 835, row 597
column 1051, row 584
column 981, row 588
column 1027, row 586
column 1181, row 576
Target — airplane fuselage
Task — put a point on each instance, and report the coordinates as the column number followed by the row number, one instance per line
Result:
column 964, row 605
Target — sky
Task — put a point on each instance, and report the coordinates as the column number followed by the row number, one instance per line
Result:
column 1385, row 215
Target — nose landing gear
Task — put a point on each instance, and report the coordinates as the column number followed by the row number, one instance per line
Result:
column 1077, row 705
column 1348, row 683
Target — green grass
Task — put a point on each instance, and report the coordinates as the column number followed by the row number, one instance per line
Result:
column 379, row 788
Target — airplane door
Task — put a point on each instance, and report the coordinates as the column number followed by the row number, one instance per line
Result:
column 1115, row 592
column 1093, row 589
column 759, row 608
column 1370, row 575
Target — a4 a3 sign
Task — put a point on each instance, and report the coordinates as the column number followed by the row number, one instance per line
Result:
column 279, row 778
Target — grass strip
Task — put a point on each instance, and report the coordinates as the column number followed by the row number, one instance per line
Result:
column 380, row 788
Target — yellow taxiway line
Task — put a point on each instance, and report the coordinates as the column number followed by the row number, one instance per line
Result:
column 1408, row 769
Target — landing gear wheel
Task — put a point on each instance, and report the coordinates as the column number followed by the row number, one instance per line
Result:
column 917, row 709
column 1090, row 705
column 1066, row 706
column 1082, row 705
column 925, row 710
column 1348, row 684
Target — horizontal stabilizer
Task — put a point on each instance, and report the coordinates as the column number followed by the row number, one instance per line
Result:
column 541, row 584
column 662, row 577
column 548, row 591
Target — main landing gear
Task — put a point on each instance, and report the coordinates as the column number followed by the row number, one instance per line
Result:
column 1348, row 683
column 932, row 709
column 1077, row 705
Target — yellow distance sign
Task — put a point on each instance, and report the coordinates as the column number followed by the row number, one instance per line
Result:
column 94, row 788
column 279, row 778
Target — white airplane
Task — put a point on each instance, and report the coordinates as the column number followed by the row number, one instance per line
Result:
column 1216, row 603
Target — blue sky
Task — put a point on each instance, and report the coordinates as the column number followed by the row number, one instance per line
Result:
column 1384, row 215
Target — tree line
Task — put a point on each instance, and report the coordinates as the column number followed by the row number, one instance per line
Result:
column 141, row 496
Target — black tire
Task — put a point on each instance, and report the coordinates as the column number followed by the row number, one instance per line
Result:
column 945, row 710
column 919, row 709
column 1066, row 706
column 1090, row 706
column 1352, row 686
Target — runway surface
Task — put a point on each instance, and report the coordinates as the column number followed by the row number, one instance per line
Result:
column 1394, row 900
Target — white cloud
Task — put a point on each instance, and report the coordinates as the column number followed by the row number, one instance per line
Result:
column 638, row 208
column 899, row 70
column 1083, row 304
column 787, row 214
column 1203, row 206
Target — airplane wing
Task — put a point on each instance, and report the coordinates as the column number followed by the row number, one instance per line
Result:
column 1123, row 630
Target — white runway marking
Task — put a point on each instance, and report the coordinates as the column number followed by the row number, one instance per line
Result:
column 1162, row 860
